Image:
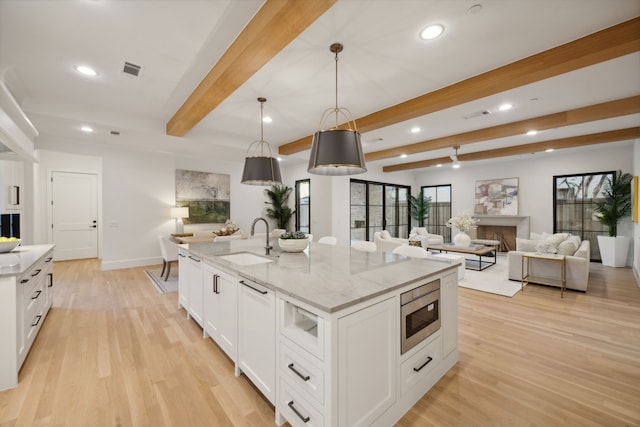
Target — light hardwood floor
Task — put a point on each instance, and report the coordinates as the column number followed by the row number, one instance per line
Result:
column 114, row 352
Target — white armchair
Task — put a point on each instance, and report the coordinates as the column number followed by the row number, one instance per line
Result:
column 426, row 238
column 385, row 243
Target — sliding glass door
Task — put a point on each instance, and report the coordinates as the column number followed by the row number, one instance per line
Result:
column 378, row 206
column 439, row 210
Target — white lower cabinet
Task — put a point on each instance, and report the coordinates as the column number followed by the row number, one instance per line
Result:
column 257, row 336
column 196, row 276
column 449, row 295
column 183, row 279
column 368, row 348
column 297, row 410
column 220, row 291
column 420, row 365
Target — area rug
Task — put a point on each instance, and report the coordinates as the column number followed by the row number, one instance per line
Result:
column 171, row 285
column 493, row 280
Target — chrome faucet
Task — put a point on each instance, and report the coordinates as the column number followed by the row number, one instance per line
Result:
column 253, row 226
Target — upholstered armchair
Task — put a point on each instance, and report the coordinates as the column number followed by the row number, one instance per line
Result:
column 426, row 239
column 385, row 243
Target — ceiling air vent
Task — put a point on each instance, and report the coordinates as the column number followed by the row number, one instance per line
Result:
column 477, row 114
column 131, row 69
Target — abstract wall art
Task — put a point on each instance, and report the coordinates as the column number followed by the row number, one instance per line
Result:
column 497, row 197
column 208, row 196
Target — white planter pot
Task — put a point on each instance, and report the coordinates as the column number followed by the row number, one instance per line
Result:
column 462, row 239
column 614, row 250
column 293, row 245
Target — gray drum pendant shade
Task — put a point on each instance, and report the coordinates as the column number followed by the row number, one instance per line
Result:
column 337, row 151
column 260, row 167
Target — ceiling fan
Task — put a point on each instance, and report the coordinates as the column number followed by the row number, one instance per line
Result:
column 454, row 157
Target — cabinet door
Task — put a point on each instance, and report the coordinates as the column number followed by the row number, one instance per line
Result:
column 449, row 310
column 183, row 280
column 257, row 336
column 48, row 271
column 221, row 309
column 368, row 349
column 196, row 276
column 12, row 188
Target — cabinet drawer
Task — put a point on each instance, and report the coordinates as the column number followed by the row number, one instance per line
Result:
column 302, row 327
column 301, row 371
column 297, row 410
column 417, row 367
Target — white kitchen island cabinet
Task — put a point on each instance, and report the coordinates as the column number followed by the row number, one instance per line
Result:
column 220, row 292
column 26, row 284
column 195, row 284
column 319, row 333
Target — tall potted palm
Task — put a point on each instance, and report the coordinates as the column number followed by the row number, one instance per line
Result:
column 614, row 205
column 419, row 207
column 278, row 196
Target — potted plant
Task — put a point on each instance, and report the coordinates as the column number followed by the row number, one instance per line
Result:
column 419, row 208
column 293, row 241
column 278, row 196
column 610, row 209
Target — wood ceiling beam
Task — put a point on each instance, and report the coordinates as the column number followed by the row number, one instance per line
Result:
column 606, row 110
column 536, row 147
column 277, row 23
column 604, row 45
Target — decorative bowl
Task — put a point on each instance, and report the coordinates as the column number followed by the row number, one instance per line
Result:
column 9, row 246
column 293, row 245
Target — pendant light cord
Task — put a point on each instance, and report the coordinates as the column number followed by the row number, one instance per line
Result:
column 337, row 109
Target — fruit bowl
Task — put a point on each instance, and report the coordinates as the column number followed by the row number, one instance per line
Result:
column 293, row 245
column 8, row 246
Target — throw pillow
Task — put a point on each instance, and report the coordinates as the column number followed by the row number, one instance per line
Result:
column 568, row 247
column 526, row 245
column 417, row 243
column 385, row 234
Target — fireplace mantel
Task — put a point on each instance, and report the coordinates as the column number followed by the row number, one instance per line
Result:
column 520, row 222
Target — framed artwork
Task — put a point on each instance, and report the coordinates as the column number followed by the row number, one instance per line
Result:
column 496, row 197
column 207, row 195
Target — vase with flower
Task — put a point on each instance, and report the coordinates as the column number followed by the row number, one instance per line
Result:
column 464, row 223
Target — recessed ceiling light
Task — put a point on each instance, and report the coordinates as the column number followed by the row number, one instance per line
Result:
column 505, row 107
column 403, row 156
column 548, row 150
column 86, row 70
column 415, row 129
column 279, row 159
column 267, row 119
column 532, row 132
column 432, row 32
column 439, row 165
column 87, row 129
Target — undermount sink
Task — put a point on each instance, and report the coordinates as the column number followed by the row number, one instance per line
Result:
column 245, row 258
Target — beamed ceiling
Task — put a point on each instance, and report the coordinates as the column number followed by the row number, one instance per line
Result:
column 204, row 64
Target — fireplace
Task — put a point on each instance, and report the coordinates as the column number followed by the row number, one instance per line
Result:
column 503, row 228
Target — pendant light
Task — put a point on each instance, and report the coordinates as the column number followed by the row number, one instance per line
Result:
column 454, row 157
column 336, row 151
column 260, row 167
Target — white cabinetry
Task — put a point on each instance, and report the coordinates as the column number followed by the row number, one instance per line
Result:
column 449, row 295
column 368, row 347
column 257, row 336
column 24, row 303
column 183, row 279
column 221, row 308
column 196, row 276
column 12, row 178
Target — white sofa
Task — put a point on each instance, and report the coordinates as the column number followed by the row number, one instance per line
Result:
column 385, row 243
column 577, row 255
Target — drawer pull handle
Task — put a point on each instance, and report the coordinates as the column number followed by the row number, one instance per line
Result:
column 49, row 259
column 182, row 255
column 302, row 417
column 37, row 295
column 50, row 285
column 418, row 369
column 36, row 273
column 24, row 280
column 304, row 377
column 38, row 317
column 195, row 259
column 255, row 289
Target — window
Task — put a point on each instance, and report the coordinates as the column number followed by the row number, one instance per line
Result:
column 573, row 201
column 377, row 206
column 440, row 209
column 303, row 205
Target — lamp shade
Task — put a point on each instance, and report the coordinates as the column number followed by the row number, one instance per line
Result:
column 261, row 171
column 180, row 212
column 336, row 152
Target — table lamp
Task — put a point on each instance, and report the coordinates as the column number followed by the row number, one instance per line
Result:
column 178, row 213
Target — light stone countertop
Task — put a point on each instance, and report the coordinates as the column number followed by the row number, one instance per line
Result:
column 328, row 277
column 19, row 260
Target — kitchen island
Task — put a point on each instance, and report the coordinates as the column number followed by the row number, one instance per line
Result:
column 319, row 332
column 26, row 281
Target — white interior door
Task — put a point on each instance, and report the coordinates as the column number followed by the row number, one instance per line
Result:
column 74, row 214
